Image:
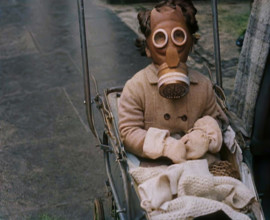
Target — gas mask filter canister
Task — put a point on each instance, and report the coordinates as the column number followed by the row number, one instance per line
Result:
column 173, row 83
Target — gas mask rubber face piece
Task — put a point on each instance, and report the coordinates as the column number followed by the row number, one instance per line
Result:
column 169, row 45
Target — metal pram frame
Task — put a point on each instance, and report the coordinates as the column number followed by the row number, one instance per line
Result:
column 125, row 203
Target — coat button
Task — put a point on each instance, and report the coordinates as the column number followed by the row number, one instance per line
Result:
column 183, row 117
column 167, row 116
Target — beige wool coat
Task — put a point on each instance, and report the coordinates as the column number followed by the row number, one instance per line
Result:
column 141, row 107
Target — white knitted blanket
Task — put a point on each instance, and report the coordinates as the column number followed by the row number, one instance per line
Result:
column 189, row 190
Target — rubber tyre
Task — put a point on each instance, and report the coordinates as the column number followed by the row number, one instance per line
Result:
column 98, row 210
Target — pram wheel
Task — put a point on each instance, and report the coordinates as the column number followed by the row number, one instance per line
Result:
column 98, row 210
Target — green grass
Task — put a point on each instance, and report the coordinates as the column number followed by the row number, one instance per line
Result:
column 234, row 24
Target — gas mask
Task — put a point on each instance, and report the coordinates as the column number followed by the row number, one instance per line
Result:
column 168, row 45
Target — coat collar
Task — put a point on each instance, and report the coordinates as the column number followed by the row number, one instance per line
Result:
column 151, row 73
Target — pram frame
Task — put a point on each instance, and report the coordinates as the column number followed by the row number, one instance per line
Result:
column 110, row 143
column 123, row 213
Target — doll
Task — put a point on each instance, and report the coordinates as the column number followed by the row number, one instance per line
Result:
column 167, row 109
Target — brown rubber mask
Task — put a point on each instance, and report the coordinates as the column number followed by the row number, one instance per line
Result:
column 169, row 44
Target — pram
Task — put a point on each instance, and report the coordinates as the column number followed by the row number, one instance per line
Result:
column 122, row 189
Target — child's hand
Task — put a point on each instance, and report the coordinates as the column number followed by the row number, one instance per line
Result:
column 175, row 150
column 204, row 136
column 158, row 143
column 196, row 143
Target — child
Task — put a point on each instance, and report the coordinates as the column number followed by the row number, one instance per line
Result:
column 167, row 98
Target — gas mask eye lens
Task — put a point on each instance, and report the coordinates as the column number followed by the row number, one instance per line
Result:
column 179, row 36
column 160, row 38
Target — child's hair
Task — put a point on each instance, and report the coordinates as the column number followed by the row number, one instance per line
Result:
column 189, row 12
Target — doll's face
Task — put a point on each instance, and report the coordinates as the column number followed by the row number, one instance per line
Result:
column 170, row 40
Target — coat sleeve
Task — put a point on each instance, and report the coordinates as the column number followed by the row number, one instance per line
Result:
column 212, row 108
column 131, row 118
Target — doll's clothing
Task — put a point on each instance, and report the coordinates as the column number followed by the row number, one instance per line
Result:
column 142, row 107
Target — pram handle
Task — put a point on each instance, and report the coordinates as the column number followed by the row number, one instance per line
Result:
column 216, row 43
column 87, row 91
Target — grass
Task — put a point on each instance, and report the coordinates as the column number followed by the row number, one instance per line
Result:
column 234, row 23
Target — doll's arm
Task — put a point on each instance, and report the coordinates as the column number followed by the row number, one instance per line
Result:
column 207, row 128
column 131, row 119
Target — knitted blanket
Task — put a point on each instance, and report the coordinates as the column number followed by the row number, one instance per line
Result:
column 189, row 190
